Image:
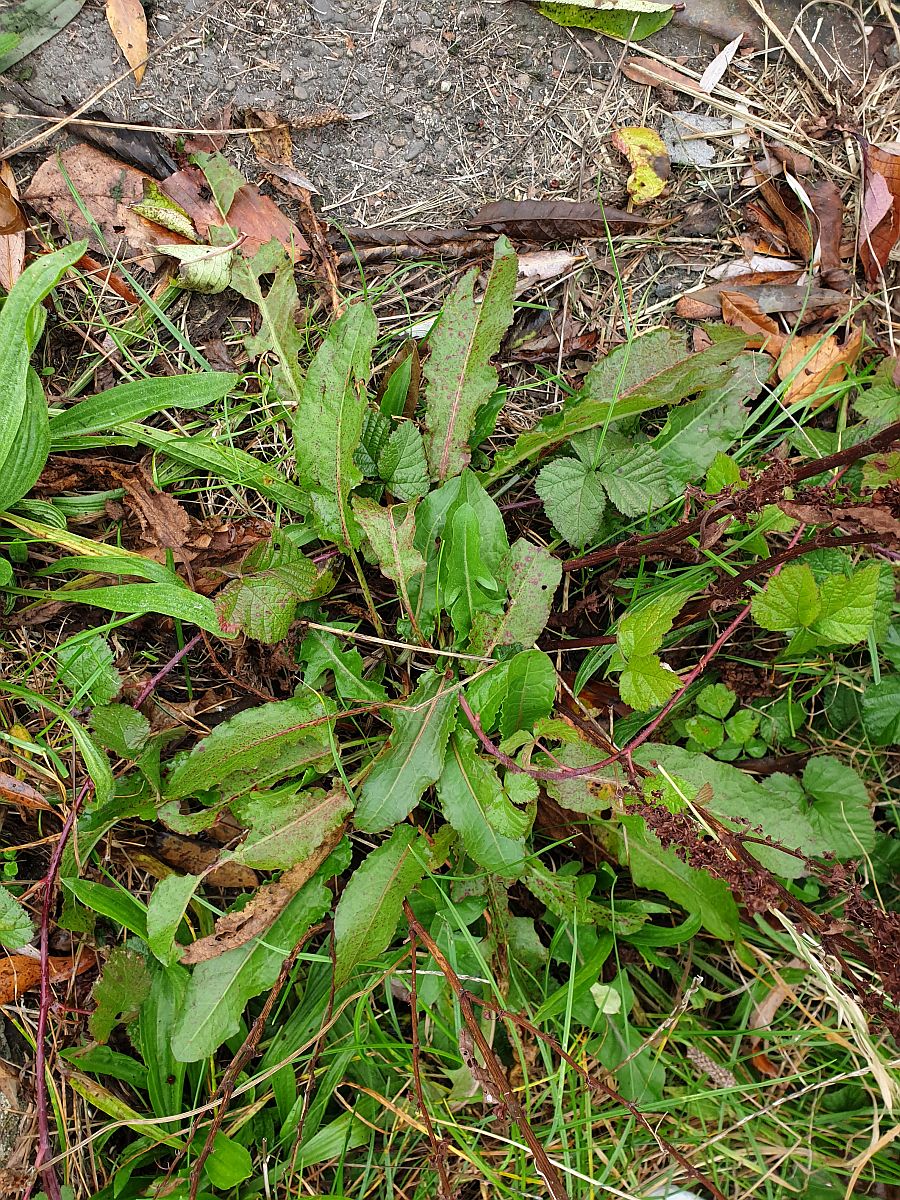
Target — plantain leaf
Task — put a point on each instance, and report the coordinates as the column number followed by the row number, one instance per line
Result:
column 142, row 398
column 20, row 472
column 458, row 372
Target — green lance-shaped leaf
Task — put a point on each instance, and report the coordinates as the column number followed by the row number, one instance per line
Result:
column 471, row 794
column 329, row 422
column 21, row 323
column 368, row 911
column 412, row 758
column 20, row 472
column 288, row 826
column 458, row 372
column 256, row 747
column 531, row 689
column 142, row 398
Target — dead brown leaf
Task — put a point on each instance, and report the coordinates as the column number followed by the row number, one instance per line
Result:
column 797, row 222
column 655, row 74
column 194, row 858
column 274, row 145
column 164, row 524
column 107, row 189
column 553, row 220
column 12, row 229
column 828, row 206
column 252, row 215
column 22, row 793
column 776, row 295
column 19, row 973
column 743, row 312
column 215, row 138
column 855, row 518
column 128, row 23
column 236, row 929
column 879, row 227
column 796, row 163
column 812, row 362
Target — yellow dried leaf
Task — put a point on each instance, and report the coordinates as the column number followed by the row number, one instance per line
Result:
column 128, row 23
column 646, row 153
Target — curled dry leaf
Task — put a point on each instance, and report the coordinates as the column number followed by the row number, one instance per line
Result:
column 128, row 23
column 811, row 362
column 712, row 76
column 237, row 928
column 204, row 269
column 19, row 973
column 655, row 74
column 22, row 793
column 195, row 858
column 12, row 230
column 649, row 160
column 553, row 220
column 274, row 144
column 879, row 228
column 743, row 312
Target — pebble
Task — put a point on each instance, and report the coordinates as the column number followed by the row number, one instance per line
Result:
column 414, row 149
column 301, row 92
column 399, row 140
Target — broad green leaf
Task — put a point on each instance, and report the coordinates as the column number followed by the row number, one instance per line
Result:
column 256, row 747
column 16, row 928
column 143, row 398
column 742, row 726
column 402, row 465
column 391, row 533
column 224, row 180
column 470, row 791
column 100, row 1060
column 376, row 431
column 646, row 683
column 120, row 728
column 112, row 1106
column 228, row 462
column 531, row 575
column 696, row 432
column 574, row 499
column 530, row 691
column 848, row 605
column 568, row 897
column 329, row 421
column 114, row 903
column 649, row 372
column 94, row 760
column 141, row 599
column 220, row 988
column 29, row 24
column 879, row 403
column 780, row 813
column 636, row 480
column 881, row 711
column 468, row 584
column 86, row 669
column 716, row 699
column 165, row 912
column 21, row 321
column 486, row 694
column 32, row 445
column 723, row 472
column 642, row 629
column 287, row 826
column 458, row 372
column 165, row 1074
column 368, row 911
column 708, row 732
column 278, row 335
column 663, row 870
column 581, row 793
column 262, row 604
column 229, row 1163
column 841, row 807
column 628, row 20
column 325, row 653
column 118, row 994
column 412, row 758
column 639, row 1073
column 789, row 601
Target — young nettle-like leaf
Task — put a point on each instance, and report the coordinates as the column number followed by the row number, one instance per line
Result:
column 473, row 801
column 120, row 728
column 324, row 653
column 368, row 911
column 789, row 601
column 458, row 371
column 412, row 758
column 329, row 422
column 16, row 928
column 258, row 746
column 120, row 991
column 262, row 604
column 86, row 668
column 468, row 584
column 838, row 611
column 574, row 499
column 647, row 683
column 881, row 711
column 402, row 466
column 531, row 576
column 848, row 605
column 636, row 480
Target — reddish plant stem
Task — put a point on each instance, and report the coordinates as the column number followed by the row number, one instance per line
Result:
column 160, row 675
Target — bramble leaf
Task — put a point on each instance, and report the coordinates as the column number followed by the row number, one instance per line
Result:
column 646, row 683
column 16, row 927
column 262, row 604
column 574, row 499
column 636, row 480
column 789, row 601
column 642, row 629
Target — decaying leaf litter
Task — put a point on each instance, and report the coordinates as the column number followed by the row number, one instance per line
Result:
column 350, row 595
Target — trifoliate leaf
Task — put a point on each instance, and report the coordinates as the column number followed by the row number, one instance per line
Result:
column 716, row 699
column 790, row 600
column 203, row 269
column 573, row 498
